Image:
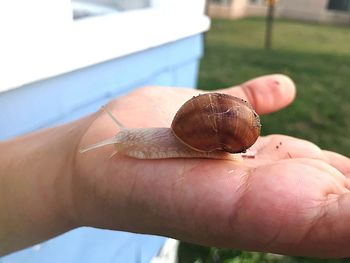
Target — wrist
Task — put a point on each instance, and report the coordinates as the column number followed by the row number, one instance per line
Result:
column 35, row 186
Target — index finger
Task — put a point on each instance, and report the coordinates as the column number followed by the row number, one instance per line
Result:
column 341, row 162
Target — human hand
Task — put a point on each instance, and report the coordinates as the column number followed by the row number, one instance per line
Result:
column 292, row 198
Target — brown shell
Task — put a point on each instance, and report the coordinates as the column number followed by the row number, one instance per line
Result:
column 216, row 121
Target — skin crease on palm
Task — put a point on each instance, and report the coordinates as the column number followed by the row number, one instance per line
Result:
column 292, row 198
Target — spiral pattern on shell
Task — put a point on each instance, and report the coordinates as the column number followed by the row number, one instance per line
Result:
column 216, row 121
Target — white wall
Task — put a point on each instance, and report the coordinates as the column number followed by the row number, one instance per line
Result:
column 39, row 38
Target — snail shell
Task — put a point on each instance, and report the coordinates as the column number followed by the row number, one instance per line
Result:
column 216, row 121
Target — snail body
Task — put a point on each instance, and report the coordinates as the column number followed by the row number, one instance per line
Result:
column 211, row 125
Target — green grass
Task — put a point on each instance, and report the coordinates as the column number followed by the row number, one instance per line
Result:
column 190, row 253
column 317, row 58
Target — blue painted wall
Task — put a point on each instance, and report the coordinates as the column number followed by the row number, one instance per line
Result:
column 70, row 96
column 78, row 93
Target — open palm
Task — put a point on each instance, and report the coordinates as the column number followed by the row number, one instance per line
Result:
column 292, row 198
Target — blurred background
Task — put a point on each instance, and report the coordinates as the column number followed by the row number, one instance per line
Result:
column 63, row 59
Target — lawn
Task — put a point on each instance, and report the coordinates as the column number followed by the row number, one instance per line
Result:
column 317, row 58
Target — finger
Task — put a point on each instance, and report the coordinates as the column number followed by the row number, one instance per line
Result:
column 278, row 147
column 267, row 93
column 341, row 162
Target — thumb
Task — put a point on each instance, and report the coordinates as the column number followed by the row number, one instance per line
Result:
column 267, row 93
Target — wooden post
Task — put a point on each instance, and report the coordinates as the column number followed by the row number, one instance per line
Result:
column 269, row 23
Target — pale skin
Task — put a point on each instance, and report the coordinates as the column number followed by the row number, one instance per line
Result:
column 292, row 198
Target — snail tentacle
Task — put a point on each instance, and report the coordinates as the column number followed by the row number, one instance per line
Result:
column 108, row 141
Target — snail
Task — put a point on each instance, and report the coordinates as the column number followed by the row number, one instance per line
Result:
column 210, row 125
